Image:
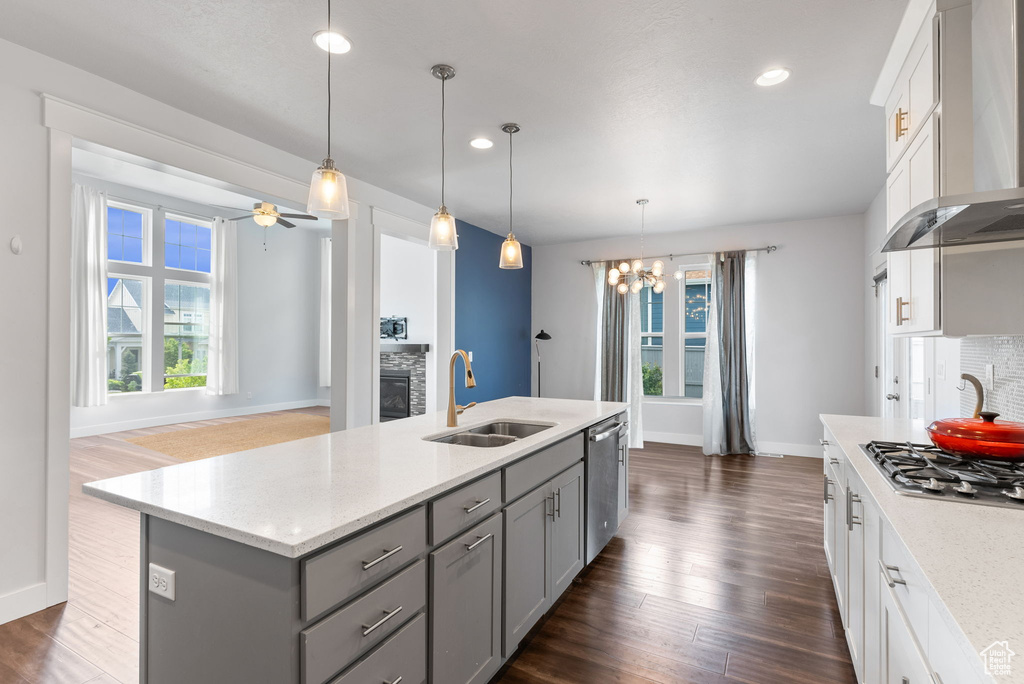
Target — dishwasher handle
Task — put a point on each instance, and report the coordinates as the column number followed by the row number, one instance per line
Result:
column 614, row 430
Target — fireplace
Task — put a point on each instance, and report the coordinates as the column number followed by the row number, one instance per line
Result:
column 394, row 394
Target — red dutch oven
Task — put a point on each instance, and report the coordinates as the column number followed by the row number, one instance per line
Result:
column 981, row 437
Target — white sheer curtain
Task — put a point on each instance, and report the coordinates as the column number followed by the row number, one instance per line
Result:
column 325, row 312
column 222, row 368
column 634, row 372
column 88, row 296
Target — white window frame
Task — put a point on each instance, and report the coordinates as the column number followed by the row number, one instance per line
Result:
column 154, row 274
column 660, row 335
column 674, row 335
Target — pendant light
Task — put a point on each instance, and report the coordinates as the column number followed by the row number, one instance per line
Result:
column 511, row 251
column 328, row 191
column 633, row 276
column 443, row 235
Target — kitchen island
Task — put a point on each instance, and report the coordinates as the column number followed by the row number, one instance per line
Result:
column 369, row 554
column 928, row 589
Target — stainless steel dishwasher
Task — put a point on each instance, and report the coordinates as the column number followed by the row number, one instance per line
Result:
column 604, row 443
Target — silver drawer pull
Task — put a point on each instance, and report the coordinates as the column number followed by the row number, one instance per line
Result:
column 888, row 578
column 387, row 554
column 369, row 629
column 478, row 542
column 833, row 461
column 824, row 442
column 470, row 509
column 393, row 681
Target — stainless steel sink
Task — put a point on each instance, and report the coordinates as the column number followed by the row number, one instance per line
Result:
column 494, row 434
column 506, row 428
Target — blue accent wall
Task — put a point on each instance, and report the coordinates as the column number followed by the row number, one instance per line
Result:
column 492, row 317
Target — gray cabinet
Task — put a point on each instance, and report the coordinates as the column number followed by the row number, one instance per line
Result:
column 567, row 542
column 465, row 606
column 527, row 563
column 545, row 549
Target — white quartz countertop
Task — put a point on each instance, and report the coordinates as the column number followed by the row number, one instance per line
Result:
column 972, row 556
column 295, row 497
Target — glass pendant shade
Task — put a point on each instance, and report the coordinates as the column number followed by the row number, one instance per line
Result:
column 678, row 275
column 624, row 267
column 658, row 267
column 659, row 286
column 638, row 266
column 614, row 274
column 328, row 193
column 636, row 286
column 265, row 220
column 511, row 253
column 623, row 288
column 443, row 235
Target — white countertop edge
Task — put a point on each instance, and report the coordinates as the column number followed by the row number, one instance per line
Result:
column 503, row 456
column 885, row 498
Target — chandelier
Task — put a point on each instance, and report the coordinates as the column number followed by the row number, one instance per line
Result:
column 634, row 276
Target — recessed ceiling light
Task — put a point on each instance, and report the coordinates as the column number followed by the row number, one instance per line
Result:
column 773, row 77
column 332, row 41
column 481, row 143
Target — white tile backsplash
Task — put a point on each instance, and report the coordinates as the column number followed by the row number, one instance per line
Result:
column 1007, row 355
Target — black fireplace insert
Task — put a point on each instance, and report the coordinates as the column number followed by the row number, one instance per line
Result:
column 394, row 394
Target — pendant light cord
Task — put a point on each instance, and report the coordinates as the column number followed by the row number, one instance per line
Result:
column 330, row 37
column 443, row 79
column 510, row 182
column 643, row 212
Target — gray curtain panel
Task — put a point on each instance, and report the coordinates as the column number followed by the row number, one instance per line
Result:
column 614, row 344
column 729, row 284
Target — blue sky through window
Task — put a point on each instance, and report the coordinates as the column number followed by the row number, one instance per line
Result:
column 124, row 235
column 187, row 246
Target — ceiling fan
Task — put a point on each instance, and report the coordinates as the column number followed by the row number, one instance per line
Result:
column 266, row 215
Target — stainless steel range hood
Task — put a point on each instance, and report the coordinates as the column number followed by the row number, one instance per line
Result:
column 995, row 211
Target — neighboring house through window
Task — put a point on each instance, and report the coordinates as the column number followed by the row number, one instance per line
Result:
column 143, row 279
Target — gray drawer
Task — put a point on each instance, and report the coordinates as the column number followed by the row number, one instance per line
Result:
column 343, row 571
column 535, row 470
column 464, row 507
column 337, row 640
column 402, row 655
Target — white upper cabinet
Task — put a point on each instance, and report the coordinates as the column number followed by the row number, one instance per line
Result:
column 928, row 154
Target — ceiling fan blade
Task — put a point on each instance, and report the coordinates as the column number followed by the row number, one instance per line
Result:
column 286, row 224
column 242, row 217
column 306, row 217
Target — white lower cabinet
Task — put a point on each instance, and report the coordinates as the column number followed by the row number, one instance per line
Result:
column 894, row 631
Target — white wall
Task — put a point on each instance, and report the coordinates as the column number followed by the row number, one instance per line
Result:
column 278, row 319
column 34, row 404
column 874, row 262
column 407, row 286
column 810, row 344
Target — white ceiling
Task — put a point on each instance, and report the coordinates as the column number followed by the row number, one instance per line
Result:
column 618, row 99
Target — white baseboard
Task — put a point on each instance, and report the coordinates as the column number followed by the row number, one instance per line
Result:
column 673, row 438
column 22, row 602
column 767, row 448
column 106, row 428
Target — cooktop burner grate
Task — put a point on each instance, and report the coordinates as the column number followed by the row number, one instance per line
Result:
column 926, row 471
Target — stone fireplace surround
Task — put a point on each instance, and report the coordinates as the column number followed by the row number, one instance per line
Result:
column 412, row 358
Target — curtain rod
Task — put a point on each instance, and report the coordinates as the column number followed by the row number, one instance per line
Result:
column 769, row 249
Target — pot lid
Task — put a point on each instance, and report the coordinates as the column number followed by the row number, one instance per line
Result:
column 986, row 428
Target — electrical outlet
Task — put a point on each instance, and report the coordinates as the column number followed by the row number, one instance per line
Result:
column 248, row 395
column 940, row 370
column 161, row 581
column 990, row 376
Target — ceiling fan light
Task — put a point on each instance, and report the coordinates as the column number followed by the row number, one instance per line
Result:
column 265, row 220
column 511, row 253
column 328, row 193
column 443, row 234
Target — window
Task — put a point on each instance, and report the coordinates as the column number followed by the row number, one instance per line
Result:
column 652, row 338
column 696, row 293
column 141, row 284
column 186, row 334
column 125, row 233
column 125, row 325
column 187, row 245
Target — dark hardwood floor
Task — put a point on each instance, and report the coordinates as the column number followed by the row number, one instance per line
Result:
column 718, row 575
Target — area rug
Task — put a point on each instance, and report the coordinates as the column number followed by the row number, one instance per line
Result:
column 194, row 444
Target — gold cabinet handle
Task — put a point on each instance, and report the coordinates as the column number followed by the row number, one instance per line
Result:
column 900, row 318
column 902, row 123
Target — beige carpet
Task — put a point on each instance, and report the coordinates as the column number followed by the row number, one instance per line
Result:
column 214, row 440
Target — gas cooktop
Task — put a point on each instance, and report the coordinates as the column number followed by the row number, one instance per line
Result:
column 925, row 471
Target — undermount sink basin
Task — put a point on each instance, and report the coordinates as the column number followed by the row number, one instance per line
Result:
column 494, row 434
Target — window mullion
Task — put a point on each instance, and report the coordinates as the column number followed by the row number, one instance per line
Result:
column 156, row 300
